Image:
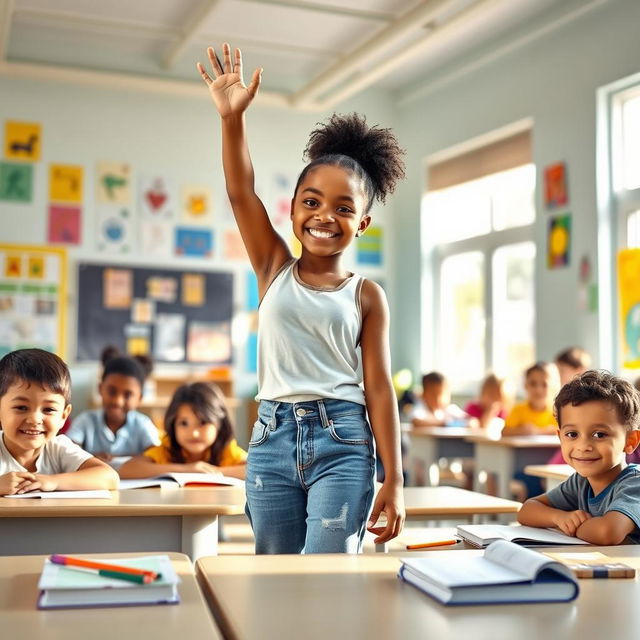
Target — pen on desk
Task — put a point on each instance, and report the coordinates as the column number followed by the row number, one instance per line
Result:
column 138, row 578
column 148, row 576
column 425, row 545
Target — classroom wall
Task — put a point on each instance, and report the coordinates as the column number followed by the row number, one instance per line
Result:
column 552, row 80
column 178, row 137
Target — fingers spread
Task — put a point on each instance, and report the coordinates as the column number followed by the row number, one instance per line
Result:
column 237, row 65
column 226, row 57
column 254, row 85
column 215, row 62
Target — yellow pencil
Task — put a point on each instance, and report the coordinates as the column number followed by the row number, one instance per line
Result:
column 424, row 545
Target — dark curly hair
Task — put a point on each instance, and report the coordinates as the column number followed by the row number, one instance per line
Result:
column 138, row 366
column 208, row 403
column 371, row 153
column 601, row 385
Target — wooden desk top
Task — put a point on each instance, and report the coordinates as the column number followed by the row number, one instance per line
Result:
column 555, row 471
column 445, row 432
column 188, row 501
column 21, row 620
column 517, row 442
column 342, row 596
column 451, row 501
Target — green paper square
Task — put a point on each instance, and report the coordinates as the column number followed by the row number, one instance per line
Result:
column 16, row 182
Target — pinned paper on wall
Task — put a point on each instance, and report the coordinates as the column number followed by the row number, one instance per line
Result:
column 369, row 247
column 13, row 266
column 169, row 334
column 138, row 339
column 555, row 186
column 629, row 292
column 234, row 248
column 16, row 182
column 113, row 183
column 194, row 243
column 280, row 194
column 22, row 141
column 65, row 183
column 117, row 288
column 209, row 342
column 143, row 311
column 252, row 302
column 193, row 290
column 114, row 229
column 36, row 267
column 157, row 200
column 156, row 238
column 559, row 241
column 64, row 224
column 162, row 289
column 197, row 204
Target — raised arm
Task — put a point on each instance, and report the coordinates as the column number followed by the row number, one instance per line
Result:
column 267, row 250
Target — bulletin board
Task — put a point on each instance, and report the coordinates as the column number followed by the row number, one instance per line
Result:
column 169, row 314
column 33, row 290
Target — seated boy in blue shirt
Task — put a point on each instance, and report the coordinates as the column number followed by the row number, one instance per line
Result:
column 599, row 417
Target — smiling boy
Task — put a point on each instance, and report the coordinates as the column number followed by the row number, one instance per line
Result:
column 599, row 416
column 35, row 387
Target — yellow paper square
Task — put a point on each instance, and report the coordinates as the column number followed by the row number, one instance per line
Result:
column 65, row 183
column 22, row 141
column 13, row 266
column 36, row 267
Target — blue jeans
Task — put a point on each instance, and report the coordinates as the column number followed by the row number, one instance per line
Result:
column 310, row 476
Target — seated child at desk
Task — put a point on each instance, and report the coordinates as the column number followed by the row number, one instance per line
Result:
column 599, row 417
column 572, row 362
column 489, row 408
column 35, row 388
column 117, row 429
column 434, row 407
column 199, row 438
column 535, row 415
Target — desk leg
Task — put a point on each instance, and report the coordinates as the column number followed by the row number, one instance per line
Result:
column 382, row 548
column 498, row 460
column 199, row 536
column 424, row 452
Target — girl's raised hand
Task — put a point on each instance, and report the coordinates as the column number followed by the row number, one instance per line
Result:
column 228, row 90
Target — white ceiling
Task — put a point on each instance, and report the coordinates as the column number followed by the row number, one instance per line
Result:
column 314, row 52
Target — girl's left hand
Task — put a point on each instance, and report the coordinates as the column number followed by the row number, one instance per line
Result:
column 390, row 499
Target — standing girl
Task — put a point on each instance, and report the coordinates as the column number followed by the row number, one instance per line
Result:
column 311, row 466
column 199, row 438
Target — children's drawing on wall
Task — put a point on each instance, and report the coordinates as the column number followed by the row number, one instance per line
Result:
column 162, row 289
column 156, row 238
column 156, row 198
column 197, row 205
column 64, row 224
column 16, row 182
column 555, row 186
column 559, row 241
column 251, row 303
column 22, row 141
column 209, row 342
column 113, row 183
column 169, row 337
column 117, row 288
column 280, row 190
column 143, row 311
column 193, row 290
column 194, row 243
column 65, row 183
column 36, row 267
column 369, row 247
column 12, row 266
column 629, row 292
column 114, row 228
column 233, row 247
column 137, row 339
column 587, row 288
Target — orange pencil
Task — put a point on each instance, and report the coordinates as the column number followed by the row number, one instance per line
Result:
column 424, row 545
column 89, row 564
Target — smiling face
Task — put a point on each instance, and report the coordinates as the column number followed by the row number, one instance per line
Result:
column 593, row 441
column 328, row 210
column 194, row 435
column 30, row 416
column 120, row 394
column 540, row 389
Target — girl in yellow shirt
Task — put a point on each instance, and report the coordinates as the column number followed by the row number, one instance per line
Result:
column 199, row 438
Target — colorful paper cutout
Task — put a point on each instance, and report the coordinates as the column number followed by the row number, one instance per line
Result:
column 559, row 241
column 169, row 337
column 194, row 243
column 22, row 141
column 193, row 291
column 65, row 183
column 64, row 224
column 369, row 247
column 117, row 288
column 209, row 342
column 114, row 229
column 234, row 248
column 629, row 292
column 162, row 289
column 555, row 185
column 156, row 238
column 13, row 266
column 138, row 339
column 156, row 198
column 16, row 182
column 143, row 311
column 114, row 183
column 36, row 267
column 197, row 204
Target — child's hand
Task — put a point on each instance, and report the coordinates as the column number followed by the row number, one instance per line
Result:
column 14, row 481
column 38, row 482
column 569, row 521
column 228, row 90
column 390, row 499
column 202, row 467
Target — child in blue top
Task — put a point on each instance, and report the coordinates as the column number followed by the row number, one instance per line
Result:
column 599, row 417
column 311, row 465
column 117, row 429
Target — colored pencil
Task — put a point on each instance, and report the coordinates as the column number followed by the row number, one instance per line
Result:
column 424, row 545
column 90, row 564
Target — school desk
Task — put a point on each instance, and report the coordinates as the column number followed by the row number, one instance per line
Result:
column 21, row 620
column 428, row 444
column 347, row 596
column 508, row 455
column 172, row 519
column 553, row 474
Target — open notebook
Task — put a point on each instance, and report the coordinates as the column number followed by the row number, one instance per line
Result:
column 481, row 535
column 182, row 480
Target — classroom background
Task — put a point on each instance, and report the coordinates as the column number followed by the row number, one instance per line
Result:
column 550, row 100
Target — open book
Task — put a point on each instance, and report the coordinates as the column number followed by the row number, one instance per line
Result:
column 506, row 573
column 481, row 535
column 68, row 587
column 182, row 480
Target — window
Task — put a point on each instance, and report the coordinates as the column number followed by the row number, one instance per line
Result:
column 478, row 247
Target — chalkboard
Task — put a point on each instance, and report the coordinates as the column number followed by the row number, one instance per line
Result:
column 172, row 315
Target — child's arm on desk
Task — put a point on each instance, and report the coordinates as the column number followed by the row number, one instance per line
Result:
column 611, row 528
column 538, row 512
column 144, row 467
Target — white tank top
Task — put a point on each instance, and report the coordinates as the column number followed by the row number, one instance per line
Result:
column 308, row 340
